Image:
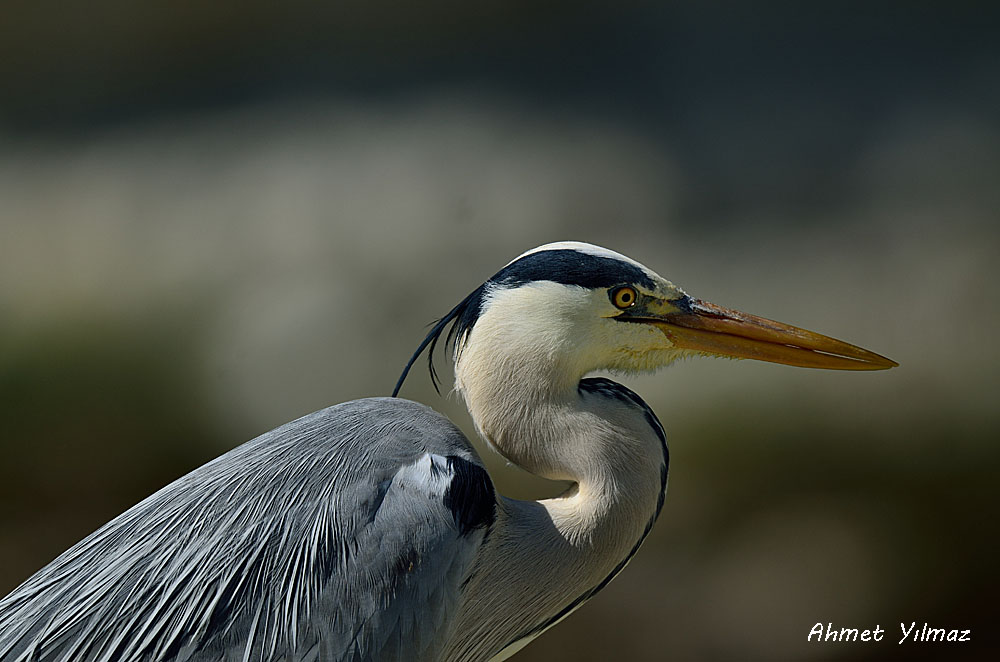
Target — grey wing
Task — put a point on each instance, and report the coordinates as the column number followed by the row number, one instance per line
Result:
column 344, row 535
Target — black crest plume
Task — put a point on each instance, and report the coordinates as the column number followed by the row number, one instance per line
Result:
column 461, row 317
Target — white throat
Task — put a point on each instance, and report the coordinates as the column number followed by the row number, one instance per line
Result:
column 519, row 371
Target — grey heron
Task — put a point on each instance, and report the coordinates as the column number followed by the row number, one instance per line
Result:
column 370, row 530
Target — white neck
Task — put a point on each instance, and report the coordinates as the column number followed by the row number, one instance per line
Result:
column 533, row 412
column 526, row 402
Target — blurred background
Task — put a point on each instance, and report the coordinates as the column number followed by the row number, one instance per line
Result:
column 216, row 217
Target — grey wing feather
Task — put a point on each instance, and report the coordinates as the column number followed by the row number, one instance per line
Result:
column 344, row 535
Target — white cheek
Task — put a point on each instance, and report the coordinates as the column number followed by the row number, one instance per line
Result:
column 636, row 347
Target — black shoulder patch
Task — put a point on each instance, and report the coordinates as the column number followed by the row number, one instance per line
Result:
column 470, row 496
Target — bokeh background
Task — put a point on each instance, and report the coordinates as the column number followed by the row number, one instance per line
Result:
column 215, row 217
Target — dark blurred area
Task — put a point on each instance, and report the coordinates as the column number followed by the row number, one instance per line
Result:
column 205, row 208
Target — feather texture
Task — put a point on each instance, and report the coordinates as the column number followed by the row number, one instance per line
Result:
column 323, row 539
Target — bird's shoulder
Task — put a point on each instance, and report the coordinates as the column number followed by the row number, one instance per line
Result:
column 345, row 534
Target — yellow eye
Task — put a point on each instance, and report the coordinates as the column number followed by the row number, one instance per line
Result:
column 623, row 297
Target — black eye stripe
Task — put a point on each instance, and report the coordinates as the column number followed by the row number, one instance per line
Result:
column 571, row 267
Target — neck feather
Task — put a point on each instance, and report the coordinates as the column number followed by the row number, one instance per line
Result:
column 532, row 409
column 595, row 433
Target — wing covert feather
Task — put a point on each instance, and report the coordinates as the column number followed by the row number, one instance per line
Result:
column 343, row 535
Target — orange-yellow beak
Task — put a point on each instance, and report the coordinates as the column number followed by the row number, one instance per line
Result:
column 704, row 327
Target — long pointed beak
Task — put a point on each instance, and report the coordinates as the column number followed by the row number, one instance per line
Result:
column 705, row 327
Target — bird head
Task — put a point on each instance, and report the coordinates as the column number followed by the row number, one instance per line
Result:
column 582, row 308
